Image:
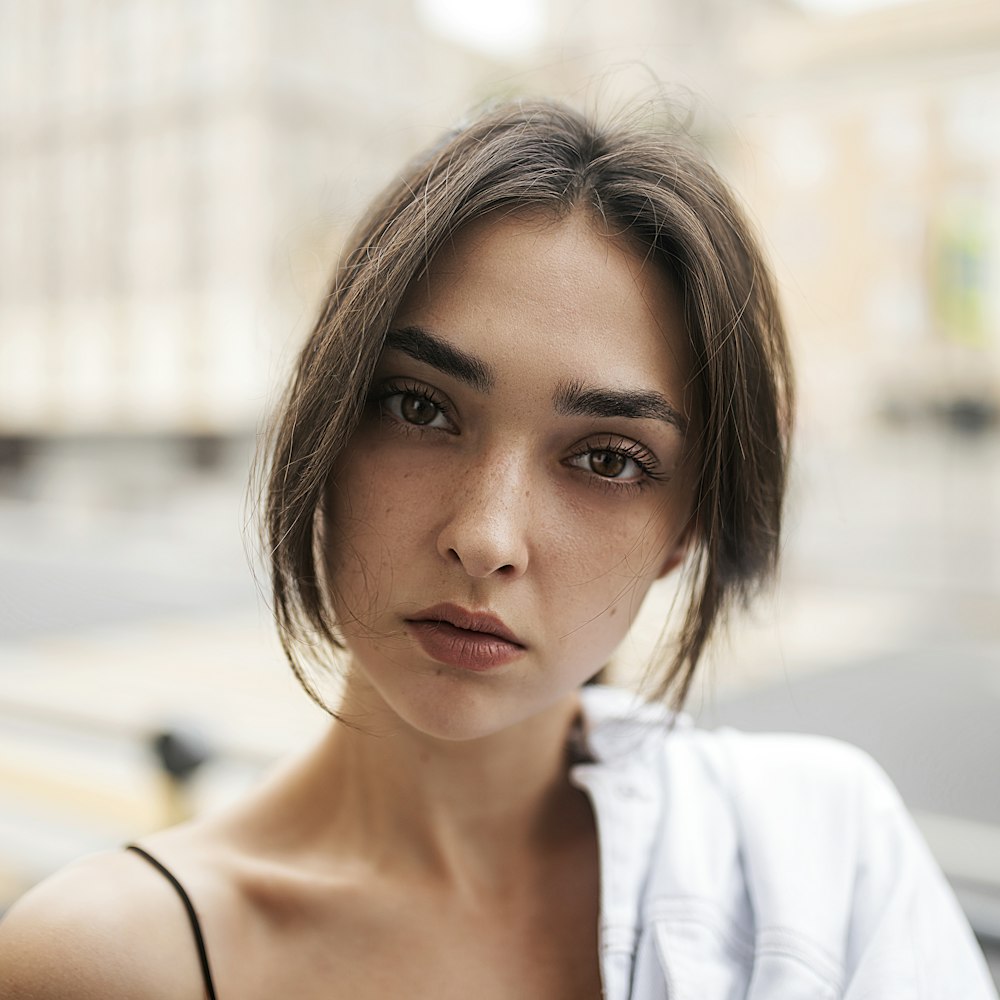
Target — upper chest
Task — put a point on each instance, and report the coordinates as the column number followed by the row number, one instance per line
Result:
column 534, row 939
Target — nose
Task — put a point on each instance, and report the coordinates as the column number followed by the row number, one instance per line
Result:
column 486, row 523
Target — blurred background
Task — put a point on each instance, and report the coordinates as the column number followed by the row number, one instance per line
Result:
column 175, row 182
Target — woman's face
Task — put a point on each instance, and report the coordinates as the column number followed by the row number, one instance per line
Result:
column 518, row 480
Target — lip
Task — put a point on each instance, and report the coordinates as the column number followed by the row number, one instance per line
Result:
column 474, row 640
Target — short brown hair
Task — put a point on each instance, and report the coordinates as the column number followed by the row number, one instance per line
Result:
column 648, row 184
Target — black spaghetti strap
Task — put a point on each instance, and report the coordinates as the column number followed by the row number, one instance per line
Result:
column 206, row 972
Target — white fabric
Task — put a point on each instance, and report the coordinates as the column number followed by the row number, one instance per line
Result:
column 761, row 867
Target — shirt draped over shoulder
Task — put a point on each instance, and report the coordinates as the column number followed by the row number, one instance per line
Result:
column 765, row 867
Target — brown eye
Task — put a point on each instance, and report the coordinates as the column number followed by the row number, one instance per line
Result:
column 610, row 464
column 616, row 463
column 417, row 409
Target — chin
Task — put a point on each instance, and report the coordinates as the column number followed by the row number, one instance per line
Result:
column 457, row 707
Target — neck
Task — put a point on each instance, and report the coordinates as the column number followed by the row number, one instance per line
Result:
column 471, row 813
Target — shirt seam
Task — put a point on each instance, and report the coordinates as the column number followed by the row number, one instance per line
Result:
column 786, row 938
column 774, row 940
column 670, row 907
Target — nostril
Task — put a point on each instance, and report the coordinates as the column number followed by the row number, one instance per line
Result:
column 483, row 542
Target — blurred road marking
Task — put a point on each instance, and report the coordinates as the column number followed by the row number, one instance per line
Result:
column 101, row 804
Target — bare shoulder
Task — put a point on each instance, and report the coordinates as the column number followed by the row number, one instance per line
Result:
column 108, row 926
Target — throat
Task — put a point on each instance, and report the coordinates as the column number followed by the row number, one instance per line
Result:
column 472, row 814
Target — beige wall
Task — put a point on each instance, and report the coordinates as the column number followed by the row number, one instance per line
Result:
column 872, row 158
column 175, row 179
column 173, row 182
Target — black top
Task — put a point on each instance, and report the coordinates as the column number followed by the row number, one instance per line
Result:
column 199, row 940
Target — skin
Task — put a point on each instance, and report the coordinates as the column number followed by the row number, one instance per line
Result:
column 440, row 827
column 494, row 504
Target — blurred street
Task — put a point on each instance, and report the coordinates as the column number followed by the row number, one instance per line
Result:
column 121, row 622
column 886, row 633
column 118, row 623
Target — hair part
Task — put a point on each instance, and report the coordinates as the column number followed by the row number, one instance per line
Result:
column 646, row 184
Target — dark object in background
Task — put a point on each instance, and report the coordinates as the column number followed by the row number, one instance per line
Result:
column 180, row 752
column 968, row 414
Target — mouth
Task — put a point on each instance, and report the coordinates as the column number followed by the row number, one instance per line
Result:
column 473, row 640
column 479, row 622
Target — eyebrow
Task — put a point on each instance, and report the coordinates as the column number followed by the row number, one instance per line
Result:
column 580, row 400
column 573, row 399
column 430, row 350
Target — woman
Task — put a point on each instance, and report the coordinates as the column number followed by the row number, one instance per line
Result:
column 549, row 371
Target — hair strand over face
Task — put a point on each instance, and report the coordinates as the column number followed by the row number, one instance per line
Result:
column 649, row 186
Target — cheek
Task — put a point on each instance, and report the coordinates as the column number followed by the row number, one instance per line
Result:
column 356, row 552
column 375, row 506
column 625, row 540
column 604, row 563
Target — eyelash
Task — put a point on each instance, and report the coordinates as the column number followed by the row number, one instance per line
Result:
column 632, row 450
column 419, row 391
column 643, row 458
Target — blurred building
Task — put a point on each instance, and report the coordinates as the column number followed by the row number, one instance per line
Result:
column 871, row 155
column 867, row 144
column 174, row 180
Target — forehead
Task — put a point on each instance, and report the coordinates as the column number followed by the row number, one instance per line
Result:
column 556, row 296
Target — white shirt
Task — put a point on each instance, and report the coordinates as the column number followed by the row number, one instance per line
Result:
column 762, row 867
